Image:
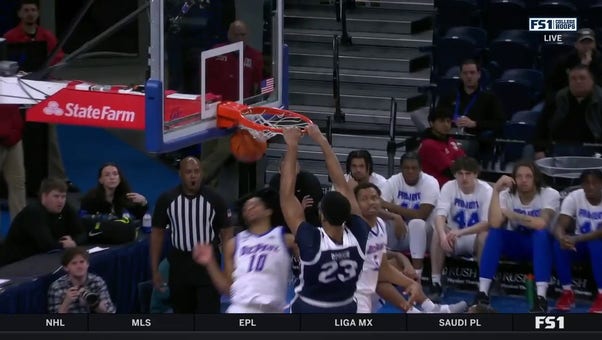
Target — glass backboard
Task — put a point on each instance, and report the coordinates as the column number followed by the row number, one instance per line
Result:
column 195, row 61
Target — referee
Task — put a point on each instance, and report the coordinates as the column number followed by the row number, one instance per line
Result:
column 195, row 214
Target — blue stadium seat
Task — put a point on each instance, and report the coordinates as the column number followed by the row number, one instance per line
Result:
column 477, row 34
column 592, row 16
column 450, row 51
column 550, row 54
column 559, row 9
column 515, row 131
column 533, row 78
column 452, row 13
column 514, row 96
column 506, row 14
column 526, row 116
column 512, row 49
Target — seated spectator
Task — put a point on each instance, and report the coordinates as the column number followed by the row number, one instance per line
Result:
column 582, row 208
column 438, row 150
column 476, row 111
column 411, row 194
column 113, row 196
column 45, row 225
column 460, row 226
column 360, row 167
column 520, row 213
column 159, row 302
column 78, row 291
column 307, row 189
column 585, row 53
column 570, row 118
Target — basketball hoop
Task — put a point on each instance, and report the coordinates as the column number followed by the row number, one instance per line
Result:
column 261, row 121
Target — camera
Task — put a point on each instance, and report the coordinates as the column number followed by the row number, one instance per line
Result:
column 92, row 299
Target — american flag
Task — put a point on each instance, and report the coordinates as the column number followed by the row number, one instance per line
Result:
column 267, row 85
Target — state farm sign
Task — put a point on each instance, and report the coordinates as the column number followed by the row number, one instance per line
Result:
column 89, row 108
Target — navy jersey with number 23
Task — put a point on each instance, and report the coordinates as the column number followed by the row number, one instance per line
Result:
column 329, row 271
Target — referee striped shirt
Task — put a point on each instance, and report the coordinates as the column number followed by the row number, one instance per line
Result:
column 191, row 219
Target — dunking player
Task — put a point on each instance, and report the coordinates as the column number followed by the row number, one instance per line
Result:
column 412, row 194
column 584, row 208
column 378, row 275
column 520, row 211
column 331, row 255
column 257, row 260
column 460, row 219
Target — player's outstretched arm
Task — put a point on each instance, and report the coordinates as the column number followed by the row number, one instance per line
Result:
column 291, row 207
column 496, row 216
column 203, row 254
column 334, row 167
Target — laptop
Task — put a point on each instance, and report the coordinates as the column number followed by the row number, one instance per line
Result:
column 30, row 56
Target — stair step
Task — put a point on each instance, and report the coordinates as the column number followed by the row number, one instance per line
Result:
column 412, row 79
column 359, row 38
column 359, row 20
column 314, row 152
column 359, row 121
column 358, row 57
column 373, row 97
column 408, row 5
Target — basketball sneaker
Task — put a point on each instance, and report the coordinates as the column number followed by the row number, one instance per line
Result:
column 435, row 293
column 540, row 305
column 481, row 299
column 597, row 305
column 566, row 301
column 455, row 308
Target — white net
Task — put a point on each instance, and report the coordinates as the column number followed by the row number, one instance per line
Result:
column 271, row 120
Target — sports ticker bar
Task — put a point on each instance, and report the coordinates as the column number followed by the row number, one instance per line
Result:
column 390, row 323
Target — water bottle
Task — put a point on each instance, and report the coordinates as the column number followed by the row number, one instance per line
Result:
column 146, row 223
column 530, row 290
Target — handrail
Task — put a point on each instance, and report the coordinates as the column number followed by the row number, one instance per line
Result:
column 391, row 144
column 329, row 130
column 346, row 38
column 339, row 116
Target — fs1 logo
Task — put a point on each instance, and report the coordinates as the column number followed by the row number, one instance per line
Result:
column 552, row 24
column 549, row 322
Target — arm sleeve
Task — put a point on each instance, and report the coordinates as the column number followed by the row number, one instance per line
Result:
column 505, row 200
column 74, row 226
column 308, row 240
column 39, row 232
column 430, row 192
column 445, row 199
column 433, row 158
column 160, row 218
column 137, row 210
column 569, row 205
column 551, row 199
column 221, row 220
column 388, row 190
column 485, row 202
column 55, row 298
column 105, row 296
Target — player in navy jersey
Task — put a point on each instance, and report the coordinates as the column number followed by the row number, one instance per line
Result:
column 332, row 255
column 583, row 208
column 257, row 260
column 520, row 212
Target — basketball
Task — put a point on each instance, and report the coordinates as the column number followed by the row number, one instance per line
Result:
column 246, row 148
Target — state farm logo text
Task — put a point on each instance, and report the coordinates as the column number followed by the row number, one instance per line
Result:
column 89, row 112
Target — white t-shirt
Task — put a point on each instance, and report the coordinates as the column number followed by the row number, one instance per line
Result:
column 587, row 217
column 397, row 191
column 464, row 210
column 375, row 179
column 547, row 198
